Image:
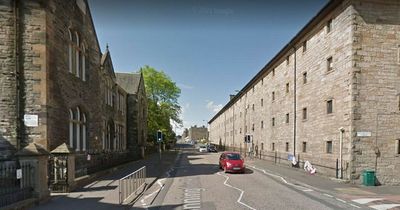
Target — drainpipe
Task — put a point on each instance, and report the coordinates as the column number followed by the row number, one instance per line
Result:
column 17, row 46
column 294, row 105
column 341, row 130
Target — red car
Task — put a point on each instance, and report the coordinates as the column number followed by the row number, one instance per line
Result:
column 231, row 162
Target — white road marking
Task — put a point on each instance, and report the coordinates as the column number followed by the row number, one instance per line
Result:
column 366, row 200
column 159, row 182
column 384, row 206
column 241, row 191
column 355, row 206
column 192, row 198
column 308, row 190
column 343, row 201
column 327, row 195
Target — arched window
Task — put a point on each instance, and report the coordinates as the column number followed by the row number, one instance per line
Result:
column 77, row 55
column 71, row 128
column 70, row 56
column 78, row 129
column 83, row 60
column 83, row 124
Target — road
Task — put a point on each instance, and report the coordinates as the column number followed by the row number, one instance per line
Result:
column 195, row 182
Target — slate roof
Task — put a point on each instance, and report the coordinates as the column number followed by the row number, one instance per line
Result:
column 129, row 81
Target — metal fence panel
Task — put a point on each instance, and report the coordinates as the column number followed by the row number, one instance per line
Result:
column 129, row 185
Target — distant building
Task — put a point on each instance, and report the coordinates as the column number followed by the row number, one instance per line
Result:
column 198, row 133
column 332, row 93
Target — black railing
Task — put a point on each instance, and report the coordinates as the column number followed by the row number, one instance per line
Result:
column 15, row 186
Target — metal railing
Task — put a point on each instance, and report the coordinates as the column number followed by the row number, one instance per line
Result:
column 13, row 188
column 129, row 185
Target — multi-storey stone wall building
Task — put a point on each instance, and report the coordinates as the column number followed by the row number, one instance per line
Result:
column 332, row 93
column 58, row 87
column 198, row 133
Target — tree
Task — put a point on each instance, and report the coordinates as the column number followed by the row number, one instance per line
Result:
column 162, row 95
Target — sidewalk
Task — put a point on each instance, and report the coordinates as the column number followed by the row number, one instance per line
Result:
column 103, row 193
column 298, row 176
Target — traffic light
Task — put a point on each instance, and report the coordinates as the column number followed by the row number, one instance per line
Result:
column 159, row 136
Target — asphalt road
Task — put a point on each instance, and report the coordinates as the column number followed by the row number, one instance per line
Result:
column 195, row 182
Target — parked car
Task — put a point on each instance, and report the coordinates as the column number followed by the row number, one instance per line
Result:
column 211, row 148
column 231, row 162
column 202, row 148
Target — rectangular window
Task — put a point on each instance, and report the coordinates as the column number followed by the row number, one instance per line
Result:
column 329, row 107
column 273, row 72
column 273, row 147
column 287, row 87
column 262, row 102
column 262, row 146
column 240, row 130
column 287, row 60
column 287, row 118
column 304, row 46
column 253, row 107
column 262, row 124
column 262, row 81
column 398, row 101
column 305, row 78
column 329, row 147
column 304, row 149
column 397, row 147
column 252, row 127
column 329, row 26
column 287, row 147
column 273, row 121
column 304, row 113
column 329, row 64
column 245, row 129
column 273, row 95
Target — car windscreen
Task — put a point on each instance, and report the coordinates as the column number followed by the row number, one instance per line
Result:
column 233, row 156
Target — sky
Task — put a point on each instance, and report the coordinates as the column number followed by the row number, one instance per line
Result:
column 209, row 48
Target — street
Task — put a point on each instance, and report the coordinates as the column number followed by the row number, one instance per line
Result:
column 196, row 182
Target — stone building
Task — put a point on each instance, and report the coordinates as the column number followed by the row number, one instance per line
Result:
column 57, row 87
column 198, row 133
column 331, row 94
column 133, row 83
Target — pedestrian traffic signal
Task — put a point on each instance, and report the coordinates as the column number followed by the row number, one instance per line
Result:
column 159, row 136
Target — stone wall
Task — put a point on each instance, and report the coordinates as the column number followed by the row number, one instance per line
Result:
column 377, row 75
column 8, row 109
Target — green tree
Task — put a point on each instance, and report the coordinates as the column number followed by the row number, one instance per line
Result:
column 163, row 106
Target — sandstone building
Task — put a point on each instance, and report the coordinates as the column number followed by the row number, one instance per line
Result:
column 198, row 133
column 331, row 94
column 58, row 87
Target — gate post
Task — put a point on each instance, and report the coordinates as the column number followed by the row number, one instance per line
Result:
column 37, row 157
column 66, row 158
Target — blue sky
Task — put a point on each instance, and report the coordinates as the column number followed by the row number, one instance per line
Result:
column 210, row 48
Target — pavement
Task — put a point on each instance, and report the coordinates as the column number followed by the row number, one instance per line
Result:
column 376, row 197
column 103, row 193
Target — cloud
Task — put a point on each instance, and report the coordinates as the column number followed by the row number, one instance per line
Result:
column 213, row 107
column 184, row 86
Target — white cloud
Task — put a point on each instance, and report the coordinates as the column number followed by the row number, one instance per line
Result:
column 213, row 107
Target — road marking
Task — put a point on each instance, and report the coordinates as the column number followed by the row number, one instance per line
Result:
column 355, row 206
column 159, row 182
column 308, row 190
column 343, row 201
column 241, row 191
column 366, row 200
column 327, row 195
column 384, row 206
column 192, row 198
